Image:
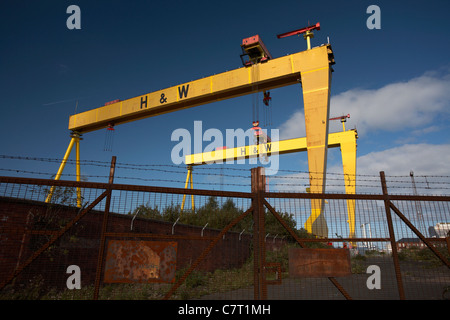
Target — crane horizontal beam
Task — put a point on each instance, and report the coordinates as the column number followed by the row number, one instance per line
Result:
column 299, row 31
column 272, row 74
column 276, row 147
column 346, row 140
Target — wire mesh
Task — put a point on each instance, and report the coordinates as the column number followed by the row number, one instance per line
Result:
column 422, row 274
column 213, row 234
column 139, row 217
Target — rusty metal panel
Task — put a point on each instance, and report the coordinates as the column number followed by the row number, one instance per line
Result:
column 132, row 261
column 319, row 262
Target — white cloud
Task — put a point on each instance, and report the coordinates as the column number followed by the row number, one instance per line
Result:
column 424, row 159
column 294, row 127
column 402, row 105
column 430, row 164
column 413, row 105
column 397, row 163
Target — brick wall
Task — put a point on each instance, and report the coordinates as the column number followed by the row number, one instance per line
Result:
column 80, row 245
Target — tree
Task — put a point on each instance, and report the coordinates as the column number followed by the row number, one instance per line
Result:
column 218, row 216
column 147, row 212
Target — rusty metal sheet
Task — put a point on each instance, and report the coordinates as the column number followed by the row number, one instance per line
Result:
column 319, row 262
column 131, row 261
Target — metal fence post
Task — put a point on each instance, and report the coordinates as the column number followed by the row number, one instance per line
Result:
column 98, row 274
column 398, row 275
column 258, row 189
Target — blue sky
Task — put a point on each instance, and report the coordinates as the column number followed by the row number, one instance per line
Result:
column 394, row 82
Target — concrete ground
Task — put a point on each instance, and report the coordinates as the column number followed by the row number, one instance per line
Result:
column 420, row 282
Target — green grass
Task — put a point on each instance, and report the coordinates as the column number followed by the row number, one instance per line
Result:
column 424, row 255
column 200, row 283
column 197, row 284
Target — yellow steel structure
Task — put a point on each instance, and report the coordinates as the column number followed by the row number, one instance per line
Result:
column 75, row 139
column 337, row 139
column 308, row 35
column 312, row 68
column 189, row 179
column 346, row 140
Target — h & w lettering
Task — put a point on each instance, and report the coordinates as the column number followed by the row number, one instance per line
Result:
column 183, row 91
column 143, row 102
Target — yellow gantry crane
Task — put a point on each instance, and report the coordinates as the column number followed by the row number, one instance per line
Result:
column 345, row 140
column 311, row 68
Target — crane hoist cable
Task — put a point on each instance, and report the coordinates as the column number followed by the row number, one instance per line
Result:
column 267, row 109
column 255, row 95
column 109, row 138
column 257, row 53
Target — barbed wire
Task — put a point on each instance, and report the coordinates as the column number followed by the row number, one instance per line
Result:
column 278, row 186
column 116, row 177
column 108, row 164
column 298, row 178
column 205, row 167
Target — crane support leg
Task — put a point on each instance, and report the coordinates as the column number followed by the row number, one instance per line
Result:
column 77, row 145
column 75, row 140
column 316, row 99
column 189, row 181
column 192, row 196
column 348, row 152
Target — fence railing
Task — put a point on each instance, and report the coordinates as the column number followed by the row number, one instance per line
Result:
column 135, row 242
